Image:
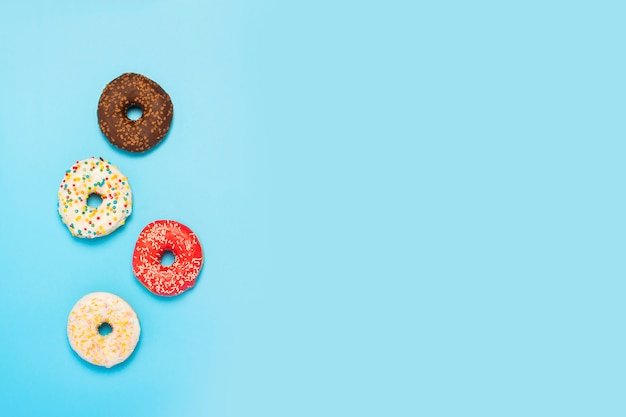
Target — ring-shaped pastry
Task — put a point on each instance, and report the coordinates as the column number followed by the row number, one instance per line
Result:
column 86, row 321
column 154, row 240
column 134, row 90
column 94, row 177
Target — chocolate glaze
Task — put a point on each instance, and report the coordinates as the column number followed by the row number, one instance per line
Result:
column 129, row 90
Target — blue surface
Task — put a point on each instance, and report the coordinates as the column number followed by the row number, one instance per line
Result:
column 407, row 208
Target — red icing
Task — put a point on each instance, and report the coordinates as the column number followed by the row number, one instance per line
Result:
column 154, row 240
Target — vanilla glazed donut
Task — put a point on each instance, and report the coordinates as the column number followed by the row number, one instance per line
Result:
column 154, row 240
column 94, row 176
column 83, row 329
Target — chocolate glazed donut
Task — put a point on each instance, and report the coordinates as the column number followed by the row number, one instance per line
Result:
column 134, row 90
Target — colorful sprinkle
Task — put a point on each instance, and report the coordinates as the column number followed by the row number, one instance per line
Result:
column 91, row 176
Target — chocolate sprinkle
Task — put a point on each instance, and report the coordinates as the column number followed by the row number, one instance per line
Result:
column 134, row 90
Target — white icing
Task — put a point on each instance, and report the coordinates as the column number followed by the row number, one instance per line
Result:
column 88, row 314
column 94, row 176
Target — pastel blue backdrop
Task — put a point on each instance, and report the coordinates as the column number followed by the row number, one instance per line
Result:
column 407, row 208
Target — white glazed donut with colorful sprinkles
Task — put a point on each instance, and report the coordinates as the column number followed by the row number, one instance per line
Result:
column 100, row 177
column 84, row 324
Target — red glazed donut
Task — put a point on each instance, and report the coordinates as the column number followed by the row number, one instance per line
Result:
column 154, row 240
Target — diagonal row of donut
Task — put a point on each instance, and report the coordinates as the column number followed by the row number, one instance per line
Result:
column 98, row 179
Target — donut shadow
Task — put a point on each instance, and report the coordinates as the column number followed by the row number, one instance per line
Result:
column 112, row 370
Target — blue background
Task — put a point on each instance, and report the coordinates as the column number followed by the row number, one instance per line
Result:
column 407, row 208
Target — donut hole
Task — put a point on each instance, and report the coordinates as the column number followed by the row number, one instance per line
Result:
column 104, row 329
column 94, row 200
column 168, row 258
column 134, row 112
